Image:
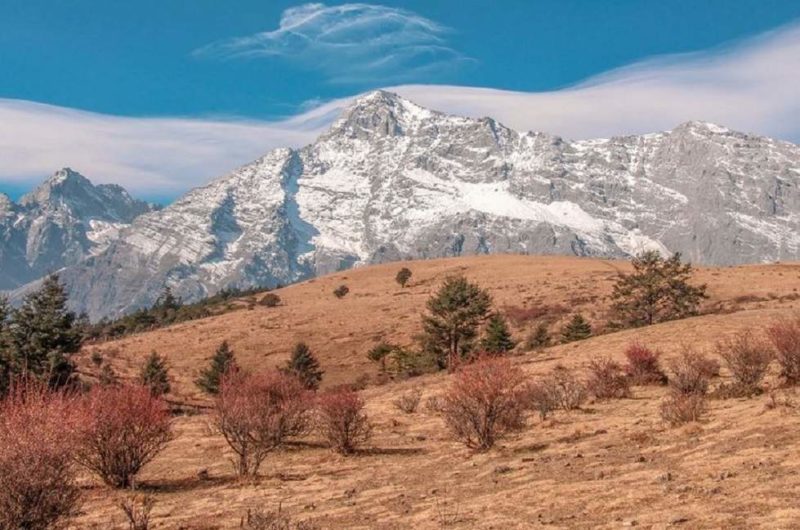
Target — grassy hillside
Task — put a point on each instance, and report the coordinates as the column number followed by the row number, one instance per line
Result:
column 610, row 465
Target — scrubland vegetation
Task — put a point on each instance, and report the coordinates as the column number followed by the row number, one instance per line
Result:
column 61, row 427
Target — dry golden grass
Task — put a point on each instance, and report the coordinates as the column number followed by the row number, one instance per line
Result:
column 606, row 466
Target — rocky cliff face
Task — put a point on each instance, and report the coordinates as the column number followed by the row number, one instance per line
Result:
column 391, row 180
column 59, row 224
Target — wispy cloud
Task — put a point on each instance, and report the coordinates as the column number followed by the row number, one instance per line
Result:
column 153, row 157
column 351, row 43
column 750, row 86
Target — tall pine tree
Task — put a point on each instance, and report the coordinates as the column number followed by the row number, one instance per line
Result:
column 154, row 375
column 5, row 363
column 304, row 366
column 498, row 337
column 222, row 362
column 42, row 335
column 451, row 323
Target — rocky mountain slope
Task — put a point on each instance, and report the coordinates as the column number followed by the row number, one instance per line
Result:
column 59, row 224
column 391, row 180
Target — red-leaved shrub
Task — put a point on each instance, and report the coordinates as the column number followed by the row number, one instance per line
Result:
column 256, row 413
column 747, row 357
column 643, row 366
column 688, row 385
column 37, row 475
column 785, row 336
column 486, row 400
column 607, row 380
column 341, row 420
column 122, row 429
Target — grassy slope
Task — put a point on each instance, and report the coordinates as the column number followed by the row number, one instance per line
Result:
column 604, row 466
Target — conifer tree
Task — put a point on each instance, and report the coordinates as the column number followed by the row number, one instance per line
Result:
column 42, row 335
column 403, row 275
column 498, row 337
column 656, row 291
column 154, row 375
column 576, row 329
column 540, row 338
column 380, row 352
column 222, row 362
column 5, row 363
column 304, row 366
column 451, row 323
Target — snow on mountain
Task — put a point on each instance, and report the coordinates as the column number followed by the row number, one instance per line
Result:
column 392, row 180
column 59, row 224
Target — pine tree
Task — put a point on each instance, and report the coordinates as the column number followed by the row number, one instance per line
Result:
column 403, row 275
column 451, row 323
column 577, row 329
column 154, row 375
column 498, row 337
column 304, row 366
column 5, row 363
column 380, row 352
column 222, row 362
column 42, row 335
column 657, row 290
column 540, row 338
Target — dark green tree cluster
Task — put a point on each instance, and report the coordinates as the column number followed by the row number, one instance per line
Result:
column 451, row 324
column 222, row 362
column 540, row 338
column 168, row 310
column 658, row 290
column 303, row 365
column 39, row 338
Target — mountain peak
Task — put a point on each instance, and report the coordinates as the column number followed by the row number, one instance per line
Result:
column 379, row 113
column 704, row 127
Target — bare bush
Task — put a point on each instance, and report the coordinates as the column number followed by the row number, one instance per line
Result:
column 122, row 429
column 257, row 413
column 644, row 367
column 137, row 511
column 273, row 520
column 341, row 420
column 408, row 401
column 434, row 405
column 37, row 476
column 341, row 291
column 559, row 389
column 485, row 401
column 678, row 408
column 607, row 380
column 542, row 397
column 747, row 357
column 571, row 391
column 689, row 383
column 785, row 337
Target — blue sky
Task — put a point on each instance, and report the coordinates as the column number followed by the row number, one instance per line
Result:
column 136, row 58
column 158, row 77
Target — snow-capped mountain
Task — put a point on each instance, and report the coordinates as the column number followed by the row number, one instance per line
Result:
column 59, row 224
column 391, row 180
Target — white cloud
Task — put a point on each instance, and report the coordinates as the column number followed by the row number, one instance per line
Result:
column 149, row 156
column 351, row 43
column 751, row 87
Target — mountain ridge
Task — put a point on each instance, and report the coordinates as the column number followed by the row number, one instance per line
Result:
column 391, row 180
